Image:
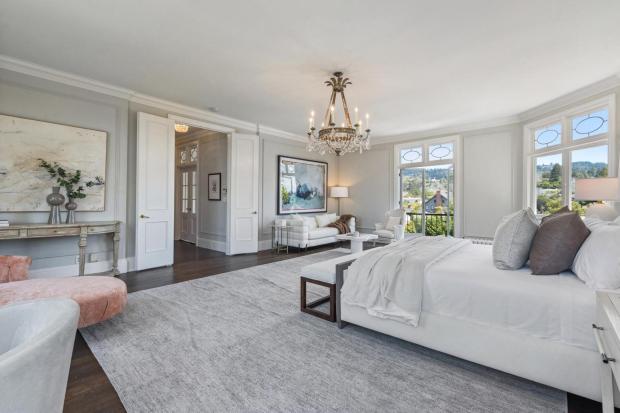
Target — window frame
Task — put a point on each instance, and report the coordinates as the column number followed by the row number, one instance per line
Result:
column 456, row 161
column 567, row 146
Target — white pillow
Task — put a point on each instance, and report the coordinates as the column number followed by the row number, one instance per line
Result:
column 323, row 220
column 513, row 239
column 390, row 222
column 598, row 263
column 310, row 222
column 332, row 217
column 594, row 223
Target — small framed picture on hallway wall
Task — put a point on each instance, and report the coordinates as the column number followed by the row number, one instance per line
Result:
column 215, row 187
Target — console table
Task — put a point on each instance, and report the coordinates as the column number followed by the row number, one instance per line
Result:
column 82, row 230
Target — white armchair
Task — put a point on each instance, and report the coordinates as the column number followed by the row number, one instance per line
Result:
column 393, row 228
column 35, row 353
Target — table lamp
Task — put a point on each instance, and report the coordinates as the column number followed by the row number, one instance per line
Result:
column 339, row 192
column 598, row 189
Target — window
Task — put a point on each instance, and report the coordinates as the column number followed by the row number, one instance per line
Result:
column 425, row 185
column 572, row 145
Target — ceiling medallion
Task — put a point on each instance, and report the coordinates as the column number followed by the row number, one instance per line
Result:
column 331, row 138
column 181, row 128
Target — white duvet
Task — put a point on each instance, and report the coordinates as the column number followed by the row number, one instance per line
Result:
column 464, row 284
column 389, row 282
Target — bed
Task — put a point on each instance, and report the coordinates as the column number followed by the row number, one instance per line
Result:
column 536, row 327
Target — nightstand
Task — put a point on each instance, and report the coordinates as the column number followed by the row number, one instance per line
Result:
column 607, row 335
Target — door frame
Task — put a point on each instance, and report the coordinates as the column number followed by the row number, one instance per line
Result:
column 215, row 128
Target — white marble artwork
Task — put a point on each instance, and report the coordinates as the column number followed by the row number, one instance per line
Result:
column 24, row 185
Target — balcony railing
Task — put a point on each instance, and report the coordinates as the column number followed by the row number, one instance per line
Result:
column 430, row 224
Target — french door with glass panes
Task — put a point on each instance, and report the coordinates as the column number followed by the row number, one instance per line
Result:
column 187, row 196
column 427, row 186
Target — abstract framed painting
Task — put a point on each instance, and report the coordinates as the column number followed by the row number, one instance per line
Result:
column 24, row 185
column 302, row 186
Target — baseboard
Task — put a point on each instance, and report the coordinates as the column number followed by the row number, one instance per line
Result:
column 264, row 245
column 211, row 244
column 74, row 269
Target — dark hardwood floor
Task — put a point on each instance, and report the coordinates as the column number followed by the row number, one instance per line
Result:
column 88, row 388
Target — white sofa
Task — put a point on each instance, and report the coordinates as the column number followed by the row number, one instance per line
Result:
column 307, row 231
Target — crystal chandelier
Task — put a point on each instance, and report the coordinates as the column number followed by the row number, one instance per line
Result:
column 331, row 138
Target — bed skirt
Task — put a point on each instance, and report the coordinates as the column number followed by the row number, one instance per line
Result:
column 565, row 367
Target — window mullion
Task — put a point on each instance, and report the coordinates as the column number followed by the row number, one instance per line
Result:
column 566, row 177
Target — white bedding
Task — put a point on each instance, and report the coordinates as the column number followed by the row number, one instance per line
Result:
column 389, row 282
column 466, row 285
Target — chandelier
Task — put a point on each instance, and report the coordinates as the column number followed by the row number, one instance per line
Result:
column 331, row 138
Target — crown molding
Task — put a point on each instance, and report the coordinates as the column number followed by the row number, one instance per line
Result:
column 602, row 86
column 43, row 72
column 448, row 130
column 70, row 79
column 281, row 134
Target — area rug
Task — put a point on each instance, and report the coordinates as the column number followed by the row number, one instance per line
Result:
column 236, row 342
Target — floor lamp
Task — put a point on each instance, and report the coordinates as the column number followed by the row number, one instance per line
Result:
column 339, row 192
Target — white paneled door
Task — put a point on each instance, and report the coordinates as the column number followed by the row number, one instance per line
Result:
column 154, row 192
column 243, row 192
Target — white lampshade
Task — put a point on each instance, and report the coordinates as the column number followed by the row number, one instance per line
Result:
column 597, row 189
column 339, row 192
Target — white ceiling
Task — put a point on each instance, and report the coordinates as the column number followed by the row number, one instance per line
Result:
column 415, row 65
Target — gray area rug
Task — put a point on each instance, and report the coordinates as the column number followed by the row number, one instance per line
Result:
column 236, row 342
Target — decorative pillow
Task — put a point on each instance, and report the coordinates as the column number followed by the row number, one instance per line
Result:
column 556, row 243
column 310, row 222
column 332, row 217
column 598, row 263
column 513, row 238
column 390, row 222
column 14, row 268
column 323, row 220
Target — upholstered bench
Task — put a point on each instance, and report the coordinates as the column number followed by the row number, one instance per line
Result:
column 323, row 274
column 99, row 297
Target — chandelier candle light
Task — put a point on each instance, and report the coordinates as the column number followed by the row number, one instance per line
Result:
column 349, row 136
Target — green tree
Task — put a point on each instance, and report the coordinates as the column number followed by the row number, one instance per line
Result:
column 556, row 173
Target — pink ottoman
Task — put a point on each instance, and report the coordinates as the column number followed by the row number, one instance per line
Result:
column 99, row 297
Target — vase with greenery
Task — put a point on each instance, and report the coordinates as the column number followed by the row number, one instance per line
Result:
column 70, row 180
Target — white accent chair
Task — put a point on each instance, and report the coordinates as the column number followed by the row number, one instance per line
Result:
column 35, row 354
column 388, row 231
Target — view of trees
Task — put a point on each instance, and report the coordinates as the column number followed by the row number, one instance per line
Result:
column 549, row 184
column 435, row 179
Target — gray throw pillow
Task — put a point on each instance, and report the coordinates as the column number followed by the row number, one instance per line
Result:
column 513, row 238
column 557, row 242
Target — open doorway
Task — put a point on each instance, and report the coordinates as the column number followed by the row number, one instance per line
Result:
column 200, row 186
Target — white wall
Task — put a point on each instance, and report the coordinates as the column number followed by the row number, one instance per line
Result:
column 491, row 179
column 213, row 159
column 369, row 178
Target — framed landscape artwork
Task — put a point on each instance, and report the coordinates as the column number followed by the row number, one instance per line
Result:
column 302, row 186
column 215, row 187
column 24, row 185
